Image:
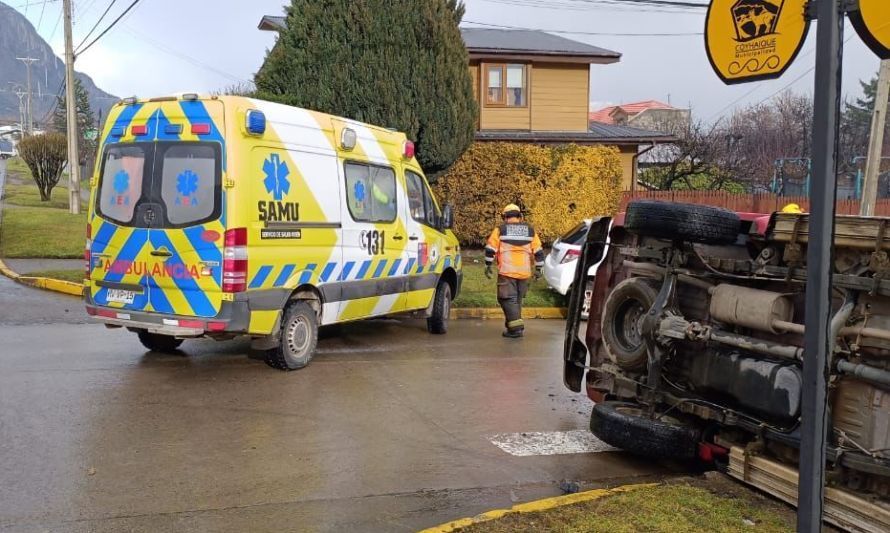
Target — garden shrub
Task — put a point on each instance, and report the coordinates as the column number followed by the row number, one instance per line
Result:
column 556, row 187
column 46, row 156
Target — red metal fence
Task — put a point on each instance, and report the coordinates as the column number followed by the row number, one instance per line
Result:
column 746, row 203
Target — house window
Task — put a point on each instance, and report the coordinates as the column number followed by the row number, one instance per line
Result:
column 507, row 85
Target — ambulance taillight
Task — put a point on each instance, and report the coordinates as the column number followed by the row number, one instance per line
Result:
column 88, row 252
column 235, row 261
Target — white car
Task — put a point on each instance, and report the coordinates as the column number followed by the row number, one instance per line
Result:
column 561, row 262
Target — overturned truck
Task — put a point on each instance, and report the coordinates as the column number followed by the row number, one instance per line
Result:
column 694, row 347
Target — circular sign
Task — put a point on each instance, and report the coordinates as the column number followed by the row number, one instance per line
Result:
column 872, row 23
column 750, row 40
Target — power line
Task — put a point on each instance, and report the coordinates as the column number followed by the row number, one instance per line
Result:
column 96, row 25
column 110, row 26
column 605, row 34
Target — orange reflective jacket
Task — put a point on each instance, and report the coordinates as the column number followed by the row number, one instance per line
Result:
column 517, row 249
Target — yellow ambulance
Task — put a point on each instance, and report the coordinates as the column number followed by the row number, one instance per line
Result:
column 227, row 216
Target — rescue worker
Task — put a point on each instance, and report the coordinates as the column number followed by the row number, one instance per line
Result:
column 519, row 255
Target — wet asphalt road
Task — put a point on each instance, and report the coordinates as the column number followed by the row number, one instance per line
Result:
column 386, row 430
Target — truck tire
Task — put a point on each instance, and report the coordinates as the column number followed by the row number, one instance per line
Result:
column 686, row 222
column 437, row 323
column 299, row 338
column 623, row 314
column 158, row 343
column 626, row 426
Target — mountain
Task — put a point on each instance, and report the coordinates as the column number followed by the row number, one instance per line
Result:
column 18, row 38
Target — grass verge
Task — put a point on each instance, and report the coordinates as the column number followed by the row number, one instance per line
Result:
column 74, row 276
column 478, row 291
column 42, row 232
column 29, row 196
column 695, row 507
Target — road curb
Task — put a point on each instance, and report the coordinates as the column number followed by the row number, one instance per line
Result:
column 535, row 507
column 528, row 313
column 49, row 284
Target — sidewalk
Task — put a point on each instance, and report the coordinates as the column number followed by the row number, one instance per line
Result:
column 25, row 266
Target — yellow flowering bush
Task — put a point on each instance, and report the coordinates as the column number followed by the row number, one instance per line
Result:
column 556, row 187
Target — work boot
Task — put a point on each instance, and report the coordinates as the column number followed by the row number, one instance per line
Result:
column 513, row 333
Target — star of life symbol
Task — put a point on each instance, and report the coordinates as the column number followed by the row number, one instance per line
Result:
column 121, row 185
column 276, row 181
column 187, row 186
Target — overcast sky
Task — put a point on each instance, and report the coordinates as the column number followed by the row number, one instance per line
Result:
column 167, row 46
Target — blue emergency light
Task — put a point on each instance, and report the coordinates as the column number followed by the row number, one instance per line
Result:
column 173, row 129
column 117, row 131
column 255, row 122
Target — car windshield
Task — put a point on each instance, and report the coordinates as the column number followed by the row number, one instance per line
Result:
column 575, row 235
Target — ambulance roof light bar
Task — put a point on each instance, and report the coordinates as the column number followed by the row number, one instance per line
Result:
column 130, row 100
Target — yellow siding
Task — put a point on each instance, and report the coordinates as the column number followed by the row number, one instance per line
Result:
column 628, row 167
column 505, row 118
column 559, row 97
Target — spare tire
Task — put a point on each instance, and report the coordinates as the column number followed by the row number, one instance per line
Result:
column 623, row 314
column 625, row 426
column 685, row 222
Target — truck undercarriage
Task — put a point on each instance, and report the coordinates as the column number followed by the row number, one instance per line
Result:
column 696, row 333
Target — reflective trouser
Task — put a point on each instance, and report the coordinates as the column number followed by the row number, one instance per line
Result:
column 510, row 295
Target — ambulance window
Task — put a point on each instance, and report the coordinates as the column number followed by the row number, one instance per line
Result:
column 121, row 185
column 370, row 192
column 189, row 181
column 420, row 200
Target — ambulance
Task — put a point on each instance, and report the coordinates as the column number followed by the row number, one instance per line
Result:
column 227, row 216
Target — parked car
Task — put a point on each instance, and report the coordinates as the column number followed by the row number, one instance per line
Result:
column 694, row 345
column 562, row 261
column 7, row 149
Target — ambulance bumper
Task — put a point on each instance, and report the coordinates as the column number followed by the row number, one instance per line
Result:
column 234, row 317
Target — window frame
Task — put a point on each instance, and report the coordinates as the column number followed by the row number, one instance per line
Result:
column 346, row 163
column 426, row 194
column 504, row 102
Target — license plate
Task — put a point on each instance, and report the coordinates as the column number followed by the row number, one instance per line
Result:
column 121, row 296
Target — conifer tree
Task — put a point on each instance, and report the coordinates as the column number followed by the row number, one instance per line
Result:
column 396, row 63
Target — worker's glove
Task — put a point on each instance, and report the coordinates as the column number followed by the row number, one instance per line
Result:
column 538, row 273
column 488, row 272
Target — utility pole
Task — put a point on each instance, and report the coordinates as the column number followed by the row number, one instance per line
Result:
column 71, row 108
column 876, row 142
column 29, row 128
column 21, row 94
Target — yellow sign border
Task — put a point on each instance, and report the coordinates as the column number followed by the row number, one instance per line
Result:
column 865, row 33
column 755, row 77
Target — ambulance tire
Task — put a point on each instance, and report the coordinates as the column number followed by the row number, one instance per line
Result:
column 299, row 338
column 437, row 323
column 159, row 343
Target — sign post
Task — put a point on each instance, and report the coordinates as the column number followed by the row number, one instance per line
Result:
column 818, row 342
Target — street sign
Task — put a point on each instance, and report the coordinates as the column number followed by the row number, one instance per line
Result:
column 751, row 40
column 872, row 23
column 91, row 134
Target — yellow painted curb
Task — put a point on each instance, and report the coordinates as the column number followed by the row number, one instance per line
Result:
column 528, row 313
column 535, row 507
column 49, row 284
column 8, row 272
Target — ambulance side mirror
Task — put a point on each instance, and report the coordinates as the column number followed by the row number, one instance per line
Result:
column 447, row 220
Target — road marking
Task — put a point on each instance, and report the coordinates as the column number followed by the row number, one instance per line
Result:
column 529, row 444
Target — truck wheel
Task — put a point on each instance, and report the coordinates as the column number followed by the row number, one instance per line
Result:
column 626, row 426
column 437, row 323
column 299, row 338
column 686, row 222
column 158, row 343
column 622, row 322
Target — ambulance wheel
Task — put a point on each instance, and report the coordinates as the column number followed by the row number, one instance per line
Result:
column 437, row 323
column 299, row 338
column 158, row 343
